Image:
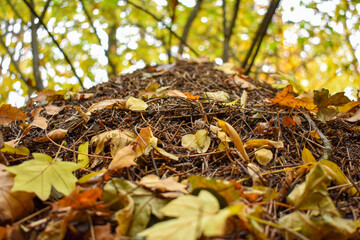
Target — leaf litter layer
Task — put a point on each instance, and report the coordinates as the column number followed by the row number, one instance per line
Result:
column 255, row 149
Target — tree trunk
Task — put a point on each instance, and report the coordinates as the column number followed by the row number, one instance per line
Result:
column 35, row 52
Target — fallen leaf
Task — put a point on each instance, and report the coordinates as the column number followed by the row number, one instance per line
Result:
column 81, row 96
column 145, row 203
column 175, row 93
column 355, row 117
column 145, row 142
column 53, row 110
column 169, row 184
column 227, row 68
column 200, row 141
column 117, row 138
column 13, row 205
column 194, row 216
column 348, row 106
column 255, row 174
column 8, row 114
column 243, row 99
column 83, row 160
column 166, row 154
column 336, row 174
column 92, row 175
column 56, row 134
column 318, row 226
column 125, row 157
column 104, row 104
column 136, row 104
column 81, row 199
column 192, row 97
column 229, row 191
column 15, row 150
column 227, row 128
column 42, row 173
column 307, row 156
column 243, row 83
column 219, row 96
column 287, row 98
column 290, row 78
column 312, row 194
column 263, row 156
column 257, row 143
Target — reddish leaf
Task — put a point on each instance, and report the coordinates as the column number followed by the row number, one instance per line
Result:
column 82, row 199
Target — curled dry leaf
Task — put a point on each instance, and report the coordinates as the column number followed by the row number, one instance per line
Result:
column 105, row 104
column 8, row 114
column 227, row 68
column 227, row 128
column 255, row 174
column 257, row 143
column 219, row 96
column 56, row 134
column 169, row 184
column 243, row 83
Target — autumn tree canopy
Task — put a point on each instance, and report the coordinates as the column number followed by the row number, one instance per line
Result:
column 63, row 44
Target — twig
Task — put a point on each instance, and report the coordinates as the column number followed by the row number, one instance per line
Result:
column 166, row 26
column 56, row 43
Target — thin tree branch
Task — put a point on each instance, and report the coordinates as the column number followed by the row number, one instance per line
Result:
column 47, row 4
column 112, row 65
column 35, row 52
column 188, row 23
column 260, row 33
column 56, row 43
column 228, row 30
column 166, row 26
column 16, row 64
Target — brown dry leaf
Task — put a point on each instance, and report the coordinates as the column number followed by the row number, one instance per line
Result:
column 13, row 205
column 287, row 98
column 145, row 142
column 255, row 174
column 53, row 110
column 83, row 115
column 39, row 122
column 227, row 128
column 117, row 138
column 8, row 114
column 355, row 117
column 56, row 134
column 242, row 83
column 227, row 68
column 257, row 143
column 125, row 157
column 169, row 184
column 105, row 104
column 288, row 121
column 41, row 96
column 175, row 93
column 80, row 96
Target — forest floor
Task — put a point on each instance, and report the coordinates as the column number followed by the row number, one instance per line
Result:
column 169, row 116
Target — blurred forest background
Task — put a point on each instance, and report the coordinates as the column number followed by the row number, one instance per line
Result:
column 70, row 44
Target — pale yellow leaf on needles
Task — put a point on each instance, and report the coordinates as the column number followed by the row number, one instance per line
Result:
column 15, row 150
column 136, row 104
column 83, row 160
column 42, row 173
column 263, row 156
column 193, row 216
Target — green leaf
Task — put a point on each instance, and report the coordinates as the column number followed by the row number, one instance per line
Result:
column 194, row 216
column 42, row 173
